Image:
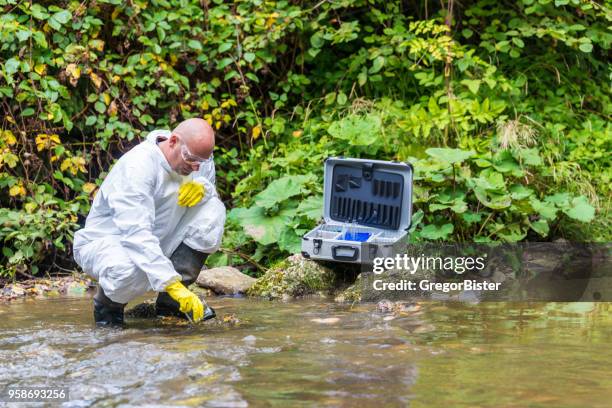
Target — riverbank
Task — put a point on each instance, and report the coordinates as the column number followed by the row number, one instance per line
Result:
column 72, row 285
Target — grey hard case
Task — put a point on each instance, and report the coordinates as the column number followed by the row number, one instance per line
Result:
column 366, row 213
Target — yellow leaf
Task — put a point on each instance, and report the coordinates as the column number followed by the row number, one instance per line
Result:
column 79, row 163
column 297, row 133
column 89, row 187
column 40, row 69
column 54, row 158
column 107, row 98
column 270, row 22
column 204, row 105
column 256, row 132
column 65, row 164
column 115, row 13
column 9, row 137
column 96, row 80
column 44, row 141
column 30, row 207
column 74, row 71
column 217, row 125
column 9, row 158
column 17, row 190
column 97, row 44
column 116, row 78
column 9, row 119
column 112, row 109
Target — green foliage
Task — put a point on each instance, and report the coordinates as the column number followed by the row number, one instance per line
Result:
column 503, row 108
column 487, row 197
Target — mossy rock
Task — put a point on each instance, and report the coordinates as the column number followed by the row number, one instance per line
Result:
column 353, row 293
column 294, row 277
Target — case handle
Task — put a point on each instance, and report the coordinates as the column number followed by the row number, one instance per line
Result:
column 345, row 253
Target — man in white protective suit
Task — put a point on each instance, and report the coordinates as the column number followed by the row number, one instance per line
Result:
column 152, row 224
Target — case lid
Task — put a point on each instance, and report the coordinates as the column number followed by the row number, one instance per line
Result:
column 372, row 193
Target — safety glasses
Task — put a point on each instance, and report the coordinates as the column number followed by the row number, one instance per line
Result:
column 190, row 158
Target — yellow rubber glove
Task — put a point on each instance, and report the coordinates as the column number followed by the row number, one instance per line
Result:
column 186, row 299
column 190, row 193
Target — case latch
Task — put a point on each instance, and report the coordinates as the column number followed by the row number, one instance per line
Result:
column 366, row 171
column 317, row 245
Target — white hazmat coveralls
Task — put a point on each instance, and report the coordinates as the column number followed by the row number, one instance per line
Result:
column 135, row 223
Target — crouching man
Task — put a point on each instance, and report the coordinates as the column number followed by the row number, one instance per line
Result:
column 152, row 224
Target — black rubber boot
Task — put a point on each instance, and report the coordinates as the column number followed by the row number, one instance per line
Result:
column 106, row 312
column 188, row 263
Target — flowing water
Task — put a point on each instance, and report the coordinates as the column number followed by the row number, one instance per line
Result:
column 313, row 353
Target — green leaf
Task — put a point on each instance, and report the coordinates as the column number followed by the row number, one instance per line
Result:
column 448, row 155
column 529, row 157
column 264, row 229
column 561, row 200
column 518, row 42
column 280, row 190
column 249, row 57
column 434, row 232
column 341, row 98
column 492, row 200
column 252, row 77
column 544, row 209
column 100, row 107
column 520, row 192
column 39, row 12
column 541, row 227
column 377, row 65
column 11, row 66
column 581, row 210
column 62, row 17
column 196, row 45
column 230, row 75
column 330, row 98
column 28, row 112
column 586, row 47
column 58, row 19
column 312, row 207
column 91, row 120
column 225, row 46
column 472, row 84
column 289, row 241
column 358, row 130
column 471, row 218
column 467, row 33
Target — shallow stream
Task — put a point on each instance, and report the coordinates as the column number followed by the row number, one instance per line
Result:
column 313, row 353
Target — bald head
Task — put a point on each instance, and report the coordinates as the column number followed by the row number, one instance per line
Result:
column 199, row 139
column 198, row 135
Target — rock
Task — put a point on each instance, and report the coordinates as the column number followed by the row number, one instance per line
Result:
column 249, row 339
column 225, row 280
column 353, row 293
column 145, row 310
column 326, row 320
column 294, row 277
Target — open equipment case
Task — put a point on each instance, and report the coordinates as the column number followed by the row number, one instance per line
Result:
column 367, row 211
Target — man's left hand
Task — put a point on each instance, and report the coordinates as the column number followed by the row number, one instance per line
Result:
column 190, row 193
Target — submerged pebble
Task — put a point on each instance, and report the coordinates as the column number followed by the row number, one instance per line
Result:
column 327, row 320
